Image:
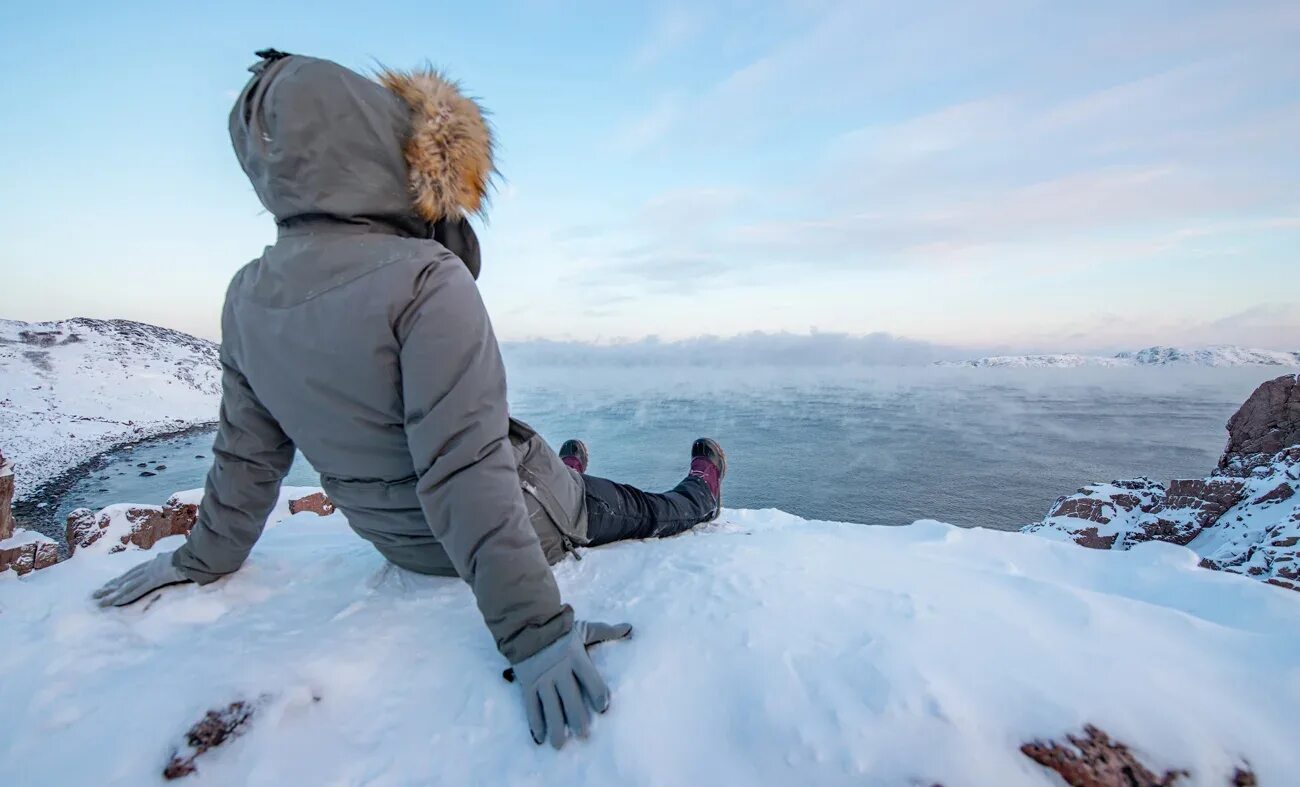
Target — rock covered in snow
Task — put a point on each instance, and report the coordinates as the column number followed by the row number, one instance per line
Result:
column 21, row 550
column 124, row 525
column 76, row 388
column 1244, row 517
column 1268, row 422
column 26, row 551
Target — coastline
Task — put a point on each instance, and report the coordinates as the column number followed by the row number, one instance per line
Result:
column 37, row 509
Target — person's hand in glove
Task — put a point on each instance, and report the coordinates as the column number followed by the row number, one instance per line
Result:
column 139, row 581
column 560, row 683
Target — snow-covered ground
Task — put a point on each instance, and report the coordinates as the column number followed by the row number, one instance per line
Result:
column 72, row 389
column 1225, row 355
column 768, row 650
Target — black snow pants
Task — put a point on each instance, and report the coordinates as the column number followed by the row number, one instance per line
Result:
column 616, row 512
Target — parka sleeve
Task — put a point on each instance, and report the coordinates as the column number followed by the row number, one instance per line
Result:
column 251, row 456
column 454, row 394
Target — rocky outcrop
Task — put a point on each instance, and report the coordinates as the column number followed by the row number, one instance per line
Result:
column 6, row 497
column 122, row 526
column 22, row 551
column 26, row 551
column 1268, row 422
column 128, row 525
column 1243, row 517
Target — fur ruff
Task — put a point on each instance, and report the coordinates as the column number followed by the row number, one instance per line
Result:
column 449, row 151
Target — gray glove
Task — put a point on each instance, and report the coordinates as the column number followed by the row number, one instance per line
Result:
column 139, row 581
column 560, row 682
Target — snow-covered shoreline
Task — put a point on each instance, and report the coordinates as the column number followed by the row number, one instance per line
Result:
column 77, row 389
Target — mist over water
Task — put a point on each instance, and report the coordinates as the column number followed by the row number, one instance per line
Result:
column 974, row 447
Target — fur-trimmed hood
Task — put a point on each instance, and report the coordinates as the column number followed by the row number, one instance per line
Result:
column 320, row 141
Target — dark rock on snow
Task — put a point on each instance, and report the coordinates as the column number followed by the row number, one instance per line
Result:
column 1094, row 760
column 215, row 728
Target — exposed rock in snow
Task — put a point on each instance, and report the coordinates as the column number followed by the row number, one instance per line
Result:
column 1094, row 760
column 6, row 497
column 215, row 728
column 1243, row 517
column 769, row 650
column 318, row 503
column 125, row 526
column 76, row 388
column 121, row 526
column 20, row 550
column 1151, row 356
column 26, row 551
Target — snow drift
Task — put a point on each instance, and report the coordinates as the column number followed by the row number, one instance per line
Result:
column 76, row 388
column 768, row 650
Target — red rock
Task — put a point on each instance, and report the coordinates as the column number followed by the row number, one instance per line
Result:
column 159, row 523
column 1268, row 422
column 28, row 557
column 82, row 530
column 1094, row 760
column 1282, row 492
column 215, row 728
column 1086, row 508
column 146, row 525
column 1214, row 495
column 317, row 502
column 1088, row 537
column 6, row 497
column 10, row 557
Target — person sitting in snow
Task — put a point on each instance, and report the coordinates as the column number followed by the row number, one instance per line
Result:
column 360, row 339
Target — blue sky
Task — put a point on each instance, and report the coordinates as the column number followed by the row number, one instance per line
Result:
column 1036, row 175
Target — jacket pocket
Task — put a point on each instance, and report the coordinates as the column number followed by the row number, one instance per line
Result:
column 535, row 458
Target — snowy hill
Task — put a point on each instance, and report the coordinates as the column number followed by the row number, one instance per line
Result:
column 72, row 389
column 768, row 650
column 1151, row 356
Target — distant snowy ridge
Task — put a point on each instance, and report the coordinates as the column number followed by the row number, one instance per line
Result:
column 1152, row 356
column 72, row 389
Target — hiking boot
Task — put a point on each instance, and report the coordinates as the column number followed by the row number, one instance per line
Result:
column 574, row 454
column 709, row 463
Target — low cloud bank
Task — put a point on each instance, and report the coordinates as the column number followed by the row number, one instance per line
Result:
column 752, row 349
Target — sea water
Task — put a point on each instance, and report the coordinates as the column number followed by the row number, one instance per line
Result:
column 973, row 447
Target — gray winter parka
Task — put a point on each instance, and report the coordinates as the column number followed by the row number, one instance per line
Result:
column 361, row 340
